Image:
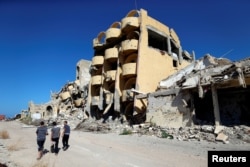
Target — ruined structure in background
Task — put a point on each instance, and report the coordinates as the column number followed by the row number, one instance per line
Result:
column 131, row 57
column 70, row 100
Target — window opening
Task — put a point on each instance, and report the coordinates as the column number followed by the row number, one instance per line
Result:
column 175, row 63
column 157, row 41
column 174, row 49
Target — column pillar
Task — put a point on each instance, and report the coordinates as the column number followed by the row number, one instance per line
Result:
column 216, row 105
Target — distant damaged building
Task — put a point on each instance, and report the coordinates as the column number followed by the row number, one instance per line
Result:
column 70, row 99
column 131, row 57
column 211, row 90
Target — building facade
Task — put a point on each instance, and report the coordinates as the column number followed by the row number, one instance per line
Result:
column 132, row 56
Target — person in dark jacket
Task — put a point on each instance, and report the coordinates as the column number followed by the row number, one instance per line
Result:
column 65, row 135
column 55, row 135
column 41, row 133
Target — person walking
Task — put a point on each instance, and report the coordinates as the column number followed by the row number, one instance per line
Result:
column 65, row 135
column 55, row 135
column 41, row 133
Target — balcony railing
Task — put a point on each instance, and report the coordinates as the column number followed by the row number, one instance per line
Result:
column 111, row 54
column 130, row 22
column 96, row 80
column 113, row 32
column 97, row 60
column 129, row 69
column 129, row 46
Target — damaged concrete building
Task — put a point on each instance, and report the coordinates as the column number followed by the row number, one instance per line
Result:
column 132, row 56
column 70, row 99
column 210, row 91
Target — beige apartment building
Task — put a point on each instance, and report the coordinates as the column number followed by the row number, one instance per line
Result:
column 132, row 56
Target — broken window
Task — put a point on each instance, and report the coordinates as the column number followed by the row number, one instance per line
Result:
column 174, row 49
column 234, row 106
column 162, row 42
column 157, row 41
column 204, row 111
column 175, row 63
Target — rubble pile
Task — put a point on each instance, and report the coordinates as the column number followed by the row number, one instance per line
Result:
column 72, row 97
column 93, row 126
column 238, row 133
column 235, row 135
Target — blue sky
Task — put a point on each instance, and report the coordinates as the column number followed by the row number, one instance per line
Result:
column 42, row 40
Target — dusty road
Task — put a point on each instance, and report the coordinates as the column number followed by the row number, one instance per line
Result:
column 107, row 150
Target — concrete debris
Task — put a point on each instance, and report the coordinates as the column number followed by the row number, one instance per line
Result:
column 93, row 126
column 194, row 133
column 222, row 137
column 218, row 129
column 206, row 128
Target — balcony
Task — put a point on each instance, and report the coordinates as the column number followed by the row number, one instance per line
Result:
column 99, row 41
column 130, row 22
column 96, row 80
column 111, row 54
column 97, row 60
column 129, row 69
column 129, row 46
column 110, row 75
column 113, row 32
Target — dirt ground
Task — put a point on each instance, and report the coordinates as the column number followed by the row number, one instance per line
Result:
column 106, row 150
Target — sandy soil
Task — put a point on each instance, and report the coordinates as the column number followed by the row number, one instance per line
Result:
column 106, row 150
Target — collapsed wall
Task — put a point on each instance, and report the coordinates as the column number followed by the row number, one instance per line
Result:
column 210, row 91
